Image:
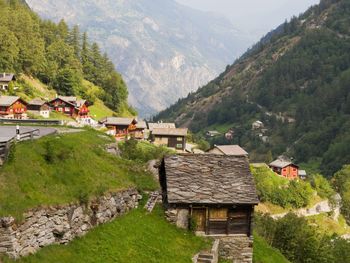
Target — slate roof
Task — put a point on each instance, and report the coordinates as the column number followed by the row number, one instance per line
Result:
column 7, row 77
column 170, row 132
column 37, row 102
column 141, row 125
column 70, row 99
column 281, row 163
column 161, row 125
column 231, row 150
column 8, row 100
column 117, row 121
column 209, row 179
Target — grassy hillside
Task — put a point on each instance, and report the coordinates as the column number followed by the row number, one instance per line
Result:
column 296, row 81
column 137, row 237
column 61, row 169
column 264, row 253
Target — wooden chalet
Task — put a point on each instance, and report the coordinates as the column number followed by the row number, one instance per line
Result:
column 39, row 107
column 13, row 107
column 70, row 106
column 234, row 150
column 216, row 192
column 5, row 79
column 285, row 168
column 120, row 127
column 171, row 137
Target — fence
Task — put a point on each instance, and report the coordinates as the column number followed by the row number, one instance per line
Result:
column 5, row 149
column 31, row 121
column 6, row 143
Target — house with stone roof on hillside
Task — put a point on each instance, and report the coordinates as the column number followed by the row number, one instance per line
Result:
column 215, row 194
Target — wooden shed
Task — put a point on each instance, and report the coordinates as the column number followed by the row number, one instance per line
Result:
column 215, row 193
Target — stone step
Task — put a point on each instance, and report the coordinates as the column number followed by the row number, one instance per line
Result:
column 200, row 260
column 206, row 256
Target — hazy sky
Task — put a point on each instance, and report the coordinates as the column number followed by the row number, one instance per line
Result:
column 255, row 16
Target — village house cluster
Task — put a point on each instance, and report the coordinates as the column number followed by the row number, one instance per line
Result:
column 161, row 134
column 14, row 107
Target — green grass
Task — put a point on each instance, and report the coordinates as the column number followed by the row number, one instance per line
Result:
column 137, row 237
column 98, row 110
column 60, row 169
column 264, row 253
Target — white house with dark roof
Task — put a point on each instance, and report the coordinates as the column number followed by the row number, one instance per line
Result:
column 5, row 79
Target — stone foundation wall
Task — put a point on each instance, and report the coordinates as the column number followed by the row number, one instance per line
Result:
column 238, row 248
column 178, row 216
column 61, row 224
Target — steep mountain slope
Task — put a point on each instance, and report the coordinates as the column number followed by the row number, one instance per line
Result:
column 163, row 49
column 296, row 80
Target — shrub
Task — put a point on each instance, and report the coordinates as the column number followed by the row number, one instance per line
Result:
column 280, row 191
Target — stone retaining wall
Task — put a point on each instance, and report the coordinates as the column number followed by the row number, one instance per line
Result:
column 61, row 224
column 238, row 248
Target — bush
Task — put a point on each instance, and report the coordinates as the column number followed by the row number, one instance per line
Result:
column 142, row 151
column 322, row 186
column 301, row 242
column 280, row 191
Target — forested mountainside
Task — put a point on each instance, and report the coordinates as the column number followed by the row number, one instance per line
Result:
column 296, row 81
column 163, row 49
column 57, row 55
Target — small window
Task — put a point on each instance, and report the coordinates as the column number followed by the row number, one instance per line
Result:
column 179, row 139
column 179, row 146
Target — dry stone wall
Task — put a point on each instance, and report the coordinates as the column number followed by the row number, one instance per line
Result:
column 238, row 248
column 61, row 224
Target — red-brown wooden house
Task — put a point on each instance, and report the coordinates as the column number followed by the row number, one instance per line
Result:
column 70, row 106
column 285, row 168
column 13, row 107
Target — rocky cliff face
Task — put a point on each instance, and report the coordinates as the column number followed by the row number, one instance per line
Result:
column 163, row 49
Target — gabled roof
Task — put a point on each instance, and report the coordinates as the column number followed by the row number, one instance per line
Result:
column 8, row 100
column 141, row 125
column 37, row 102
column 281, row 163
column 231, row 150
column 161, row 125
column 209, row 179
column 80, row 103
column 7, row 77
column 71, row 99
column 118, row 121
column 170, row 132
column 63, row 98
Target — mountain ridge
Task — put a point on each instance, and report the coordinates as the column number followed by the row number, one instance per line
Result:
column 295, row 81
column 163, row 49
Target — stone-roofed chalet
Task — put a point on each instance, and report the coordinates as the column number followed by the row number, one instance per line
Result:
column 215, row 195
column 216, row 190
